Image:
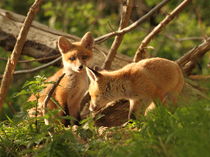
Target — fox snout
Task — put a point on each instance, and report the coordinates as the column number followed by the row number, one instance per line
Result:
column 92, row 107
column 95, row 107
column 79, row 68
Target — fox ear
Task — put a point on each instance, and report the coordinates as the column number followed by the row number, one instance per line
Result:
column 87, row 41
column 93, row 74
column 64, row 44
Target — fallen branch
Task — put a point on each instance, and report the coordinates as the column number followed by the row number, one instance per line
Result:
column 33, row 60
column 11, row 64
column 35, row 69
column 194, row 52
column 199, row 77
column 189, row 60
column 140, row 53
column 125, row 16
column 133, row 25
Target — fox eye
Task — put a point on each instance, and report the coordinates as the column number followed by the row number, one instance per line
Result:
column 72, row 58
column 84, row 57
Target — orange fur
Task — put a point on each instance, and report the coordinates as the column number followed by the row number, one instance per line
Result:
column 140, row 83
column 72, row 87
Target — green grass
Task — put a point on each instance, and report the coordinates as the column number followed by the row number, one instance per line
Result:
column 184, row 133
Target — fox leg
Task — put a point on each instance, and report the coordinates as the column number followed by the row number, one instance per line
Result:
column 150, row 108
column 138, row 107
column 74, row 111
column 131, row 109
column 62, row 107
column 171, row 101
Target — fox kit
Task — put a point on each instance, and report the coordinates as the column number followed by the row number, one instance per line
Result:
column 141, row 83
column 74, row 84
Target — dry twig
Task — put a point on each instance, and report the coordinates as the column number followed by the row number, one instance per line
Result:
column 140, row 53
column 11, row 64
column 33, row 60
column 125, row 16
column 51, row 91
column 199, row 77
column 35, row 69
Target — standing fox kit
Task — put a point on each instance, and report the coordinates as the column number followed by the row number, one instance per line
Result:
column 141, row 83
column 74, row 84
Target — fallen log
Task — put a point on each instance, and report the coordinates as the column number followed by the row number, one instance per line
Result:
column 41, row 40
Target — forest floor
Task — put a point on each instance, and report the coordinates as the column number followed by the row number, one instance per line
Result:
column 181, row 133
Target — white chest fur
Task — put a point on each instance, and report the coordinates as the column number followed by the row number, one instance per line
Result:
column 78, row 85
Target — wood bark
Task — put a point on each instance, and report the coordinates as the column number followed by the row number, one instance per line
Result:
column 188, row 60
column 125, row 17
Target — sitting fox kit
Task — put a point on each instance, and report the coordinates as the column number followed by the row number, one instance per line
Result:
column 74, row 84
column 141, row 83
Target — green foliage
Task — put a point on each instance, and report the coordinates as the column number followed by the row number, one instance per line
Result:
column 33, row 87
column 68, row 16
column 161, row 133
column 185, row 132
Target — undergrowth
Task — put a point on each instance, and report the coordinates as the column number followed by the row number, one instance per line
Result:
column 161, row 133
column 183, row 133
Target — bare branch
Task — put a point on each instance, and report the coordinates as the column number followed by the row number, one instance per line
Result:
column 33, row 60
column 190, row 38
column 35, row 69
column 194, row 52
column 140, row 53
column 51, row 91
column 133, row 25
column 199, row 77
column 11, row 64
column 125, row 16
column 171, row 37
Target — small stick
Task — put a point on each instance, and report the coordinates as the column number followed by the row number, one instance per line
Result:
column 51, row 91
column 35, row 69
column 199, row 77
column 33, row 60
